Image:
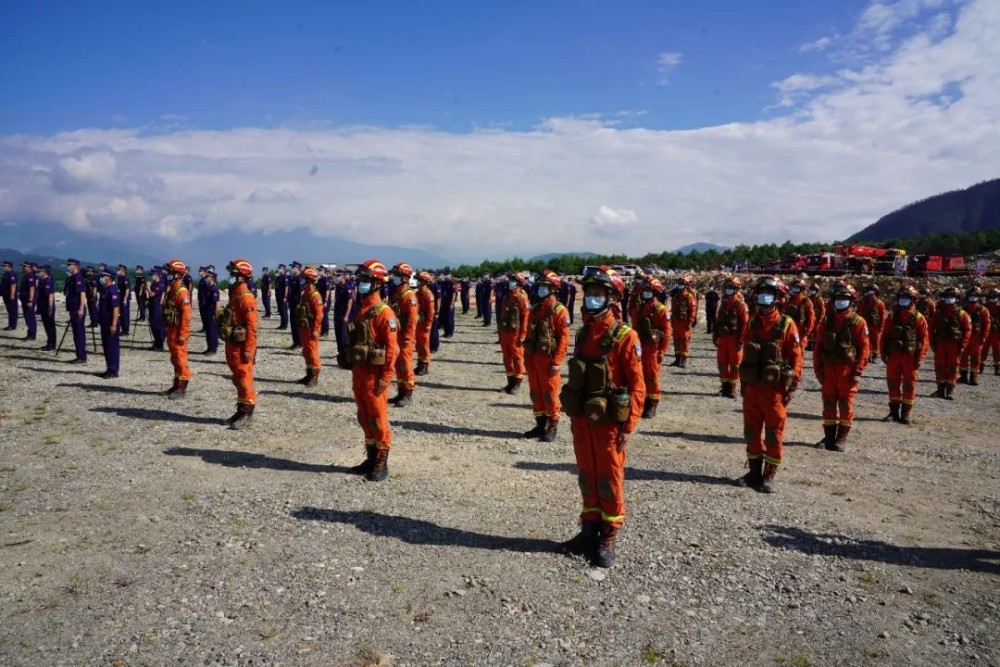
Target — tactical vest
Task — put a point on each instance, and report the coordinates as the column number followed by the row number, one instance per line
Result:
column 303, row 311
column 796, row 311
column 589, row 391
column 648, row 333
column 401, row 313
column 510, row 319
column 976, row 317
column 541, row 338
column 726, row 322
column 171, row 311
column 679, row 307
column 949, row 328
column 995, row 322
column 361, row 347
column 902, row 337
column 924, row 307
column 871, row 315
column 762, row 361
column 838, row 347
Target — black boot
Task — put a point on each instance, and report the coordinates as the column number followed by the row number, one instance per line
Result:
column 677, row 361
column 651, row 411
column 606, row 549
column 904, row 414
column 369, row 463
column 584, row 542
column 180, row 391
column 539, row 429
column 840, row 444
column 421, row 369
column 173, row 388
column 949, row 390
column 236, row 415
column 893, row 415
column 829, row 437
column 684, row 362
column 313, row 378
column 245, row 419
column 405, row 398
column 940, row 390
column 645, row 409
column 380, row 468
column 513, row 385
column 973, row 378
column 305, row 378
column 767, row 484
column 551, row 430
column 963, row 377
column 996, row 369
column 753, row 478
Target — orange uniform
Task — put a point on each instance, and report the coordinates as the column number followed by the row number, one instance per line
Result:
column 993, row 341
column 311, row 305
column 819, row 310
column 513, row 328
column 177, row 314
column 652, row 321
column 926, row 307
column 548, row 315
column 905, row 339
column 403, row 301
column 241, row 354
column 951, row 330
column 840, row 355
column 799, row 307
column 765, row 397
column 426, row 303
column 972, row 354
column 729, row 334
column 683, row 314
column 872, row 310
column 373, row 408
column 600, row 464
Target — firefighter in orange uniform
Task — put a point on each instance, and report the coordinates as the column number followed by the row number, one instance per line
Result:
column 309, row 319
column 972, row 354
column 819, row 310
column 403, row 301
column 770, row 373
column 652, row 320
column 177, row 315
column 993, row 342
column 513, row 330
column 545, row 344
column 926, row 305
column 872, row 310
column 799, row 307
column 840, row 356
column 683, row 316
column 603, row 398
column 425, row 322
column 729, row 334
column 238, row 330
column 951, row 330
column 371, row 355
column 905, row 341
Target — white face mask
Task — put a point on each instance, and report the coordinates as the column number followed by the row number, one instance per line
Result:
column 730, row 291
column 413, row 282
column 842, row 304
column 543, row 291
column 364, row 287
column 595, row 304
column 973, row 299
column 647, row 295
column 765, row 299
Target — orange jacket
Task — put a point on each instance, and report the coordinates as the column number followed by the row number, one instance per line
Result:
column 658, row 318
column 802, row 312
column 684, row 300
column 624, row 359
column 181, row 299
column 765, row 327
column 819, row 309
column 558, row 318
column 979, row 318
column 994, row 317
column 859, row 336
column 903, row 317
column 404, row 303
column 732, row 308
column 425, row 299
column 872, row 309
column 383, row 326
column 244, row 307
column 948, row 312
column 517, row 299
column 314, row 300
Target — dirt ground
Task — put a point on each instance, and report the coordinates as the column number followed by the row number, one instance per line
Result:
column 135, row 530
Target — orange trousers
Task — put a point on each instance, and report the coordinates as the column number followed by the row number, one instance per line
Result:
column 242, row 374
column 178, row 354
column 682, row 337
column 901, row 377
column 544, row 386
column 373, row 410
column 972, row 355
column 424, row 342
column 764, row 419
column 875, row 340
column 513, row 354
column 310, row 348
column 600, row 470
column 729, row 354
column 651, row 360
column 837, row 391
column 946, row 354
column 405, row 379
column 993, row 343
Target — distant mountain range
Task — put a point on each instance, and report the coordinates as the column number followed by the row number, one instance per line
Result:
column 58, row 264
column 973, row 209
column 700, row 247
column 556, row 255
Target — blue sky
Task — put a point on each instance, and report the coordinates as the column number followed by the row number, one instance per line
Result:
column 449, row 65
column 492, row 129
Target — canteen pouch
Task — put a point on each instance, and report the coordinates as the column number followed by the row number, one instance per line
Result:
column 238, row 334
column 619, row 406
column 376, row 356
column 595, row 409
column 359, row 354
column 171, row 315
column 224, row 320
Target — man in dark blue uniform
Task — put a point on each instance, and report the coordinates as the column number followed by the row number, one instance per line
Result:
column 125, row 300
column 281, row 296
column 139, row 287
column 75, row 290
column 711, row 307
column 325, row 287
column 567, row 297
column 447, row 313
column 202, row 296
column 211, row 307
column 484, row 299
column 435, row 288
column 157, row 325
column 343, row 305
column 188, row 279
column 29, row 297
column 295, row 285
column 501, row 287
column 46, row 307
column 464, row 287
column 91, row 281
column 8, row 284
column 265, row 292
column 109, row 310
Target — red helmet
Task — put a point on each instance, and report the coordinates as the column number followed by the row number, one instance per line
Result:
column 175, row 266
column 843, row 289
column 654, row 284
column 606, row 276
column 309, row 273
column 239, row 267
column 402, row 269
column 425, row 277
column 549, row 277
column 373, row 270
column 514, row 275
column 906, row 292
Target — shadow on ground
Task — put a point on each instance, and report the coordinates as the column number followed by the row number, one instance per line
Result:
column 234, row 459
column 158, row 415
column 424, row 427
column 635, row 474
column 112, row 389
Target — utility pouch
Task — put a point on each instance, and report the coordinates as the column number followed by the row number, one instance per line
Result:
column 619, row 406
column 376, row 356
column 571, row 400
column 595, row 409
column 239, row 334
column 577, row 374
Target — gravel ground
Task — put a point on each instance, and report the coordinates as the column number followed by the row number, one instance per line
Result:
column 138, row 531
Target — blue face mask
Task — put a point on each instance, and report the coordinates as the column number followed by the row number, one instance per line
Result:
column 765, row 299
column 842, row 304
column 796, row 290
column 973, row 299
column 950, row 300
column 543, row 291
column 904, row 303
column 647, row 295
column 595, row 304
column 397, row 280
column 513, row 284
column 730, row 292
column 364, row 287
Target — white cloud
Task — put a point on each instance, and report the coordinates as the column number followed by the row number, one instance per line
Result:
column 899, row 126
column 820, row 44
column 666, row 62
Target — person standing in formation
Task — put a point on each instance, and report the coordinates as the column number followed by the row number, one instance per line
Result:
column 905, row 341
column 125, row 297
column 75, row 291
column 403, row 301
column 993, row 342
column 265, row 291
column 567, row 297
column 603, row 398
column 484, row 299
column 8, row 285
column 202, row 292
column 513, row 329
column 238, row 329
column 951, row 330
column 683, row 318
column 799, row 307
column 309, row 320
column 92, row 281
column 109, row 316
column 156, row 293
column 325, row 287
column 29, row 297
column 653, row 322
column 729, row 334
column 139, row 289
column 711, row 307
column 177, row 317
column 211, row 309
column 425, row 323
column 463, row 288
column 295, row 286
column 281, row 297
column 435, row 287
column 972, row 354
column 819, row 312
column 770, row 373
column 872, row 310
column 372, row 357
column 546, row 343
column 47, row 306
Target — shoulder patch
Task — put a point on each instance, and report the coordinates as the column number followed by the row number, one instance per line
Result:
column 186, row 299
